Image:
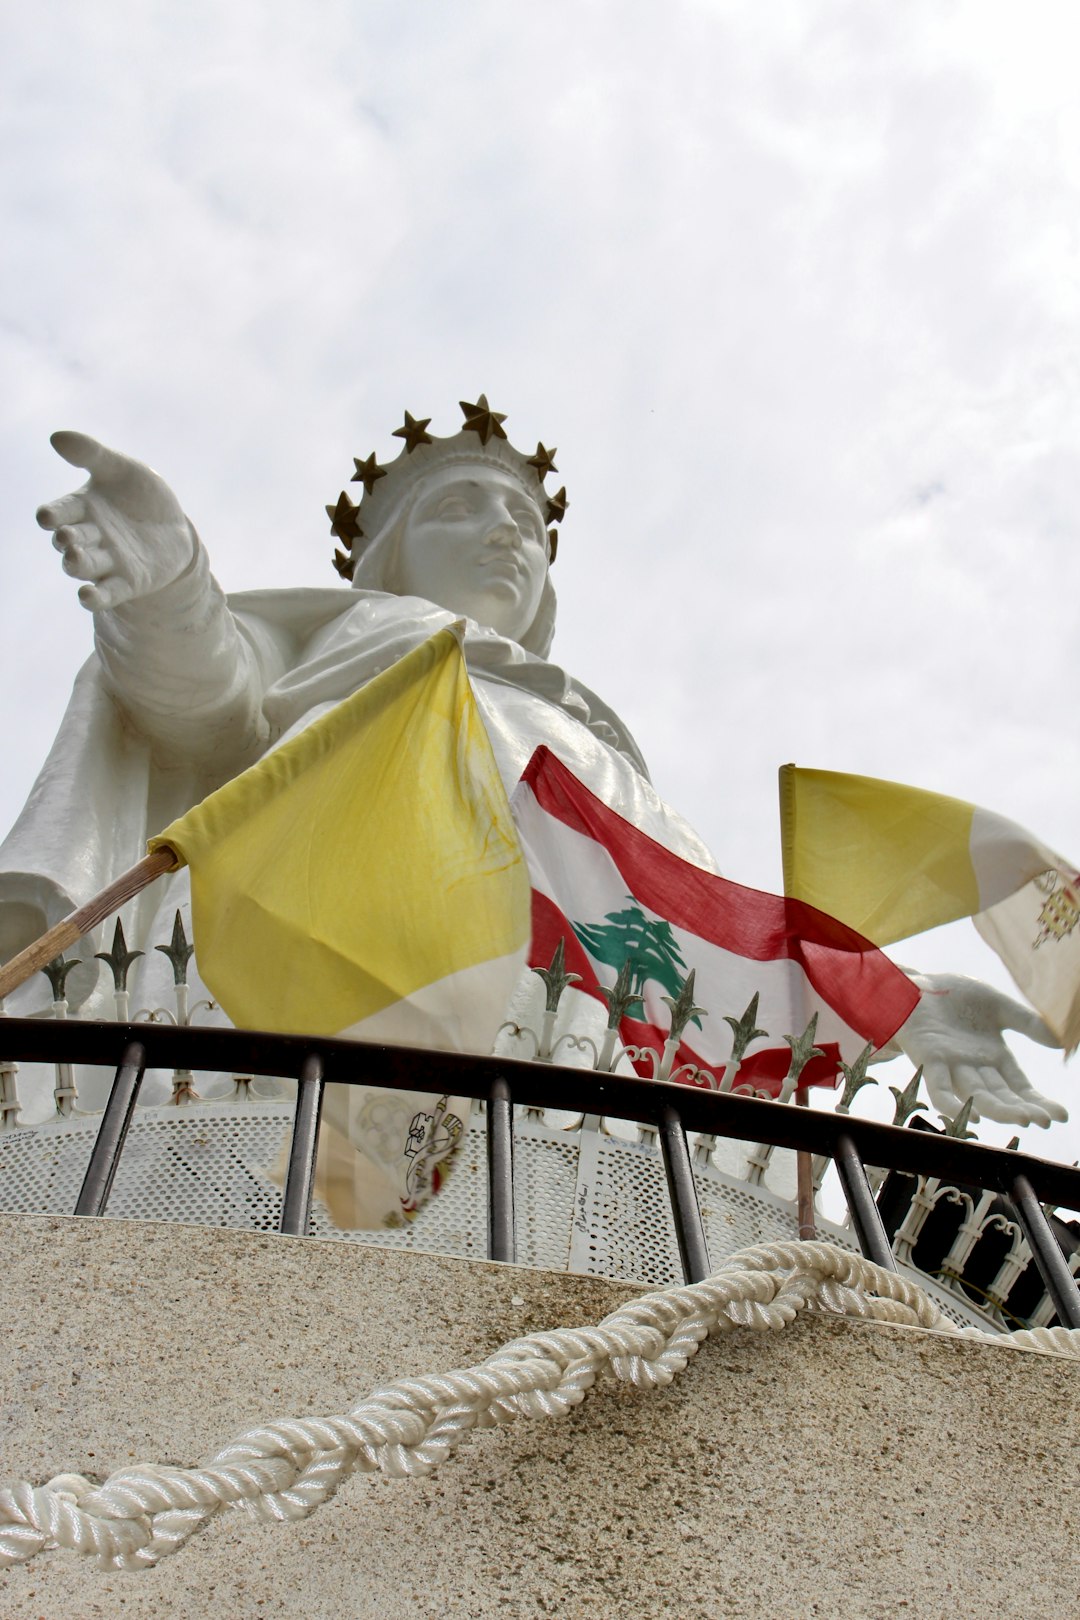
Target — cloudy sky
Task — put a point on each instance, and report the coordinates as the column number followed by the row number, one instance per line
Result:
column 792, row 287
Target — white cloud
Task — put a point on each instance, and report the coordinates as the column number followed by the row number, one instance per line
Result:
column 763, row 273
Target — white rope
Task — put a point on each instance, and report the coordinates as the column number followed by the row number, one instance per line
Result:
column 286, row 1469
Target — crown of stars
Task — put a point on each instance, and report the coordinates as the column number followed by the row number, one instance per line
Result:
column 343, row 522
column 381, row 499
column 414, row 432
column 543, row 461
column 480, row 418
column 556, row 506
column 368, row 472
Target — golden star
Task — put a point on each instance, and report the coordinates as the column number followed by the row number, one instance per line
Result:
column 543, row 461
column 556, row 506
column 344, row 564
column 480, row 418
column 553, row 545
column 413, row 432
column 343, row 524
column 367, row 473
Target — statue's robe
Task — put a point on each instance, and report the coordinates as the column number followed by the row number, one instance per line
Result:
column 106, row 786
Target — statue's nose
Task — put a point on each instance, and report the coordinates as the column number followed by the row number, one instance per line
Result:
column 504, row 532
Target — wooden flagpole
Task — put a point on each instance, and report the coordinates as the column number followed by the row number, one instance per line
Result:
column 78, row 923
column 804, row 1167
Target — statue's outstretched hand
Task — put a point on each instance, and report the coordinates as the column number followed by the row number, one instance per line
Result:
column 124, row 532
column 956, row 1034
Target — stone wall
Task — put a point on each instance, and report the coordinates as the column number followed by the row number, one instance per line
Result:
column 835, row 1469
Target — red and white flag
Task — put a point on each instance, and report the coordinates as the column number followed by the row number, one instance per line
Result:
column 614, row 895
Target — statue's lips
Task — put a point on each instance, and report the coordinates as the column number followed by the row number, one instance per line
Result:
column 506, row 564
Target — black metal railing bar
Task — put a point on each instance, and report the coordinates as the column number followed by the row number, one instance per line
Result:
column 504, row 1083
column 112, row 1132
column 682, row 1190
column 865, row 1216
column 500, row 1148
column 1047, row 1251
column 303, row 1149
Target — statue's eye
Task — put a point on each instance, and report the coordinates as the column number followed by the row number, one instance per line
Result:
column 454, row 506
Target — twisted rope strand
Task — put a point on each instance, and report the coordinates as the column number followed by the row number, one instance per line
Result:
column 283, row 1470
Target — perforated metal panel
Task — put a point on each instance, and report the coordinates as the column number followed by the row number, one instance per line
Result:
column 735, row 1215
column 42, row 1170
column 584, row 1199
column 206, row 1166
column 545, row 1188
column 624, row 1226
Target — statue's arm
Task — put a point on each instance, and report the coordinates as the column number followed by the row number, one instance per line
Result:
column 183, row 673
column 173, row 656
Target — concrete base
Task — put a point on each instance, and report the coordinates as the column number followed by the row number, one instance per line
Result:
column 833, row 1469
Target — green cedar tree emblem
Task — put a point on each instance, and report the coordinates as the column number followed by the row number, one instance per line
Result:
column 646, row 945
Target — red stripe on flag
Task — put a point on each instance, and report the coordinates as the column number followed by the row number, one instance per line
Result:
column 846, row 970
column 549, row 925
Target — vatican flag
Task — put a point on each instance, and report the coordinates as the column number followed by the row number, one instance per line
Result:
column 365, row 879
column 891, row 861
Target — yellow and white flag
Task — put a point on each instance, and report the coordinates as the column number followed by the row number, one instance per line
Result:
column 365, row 879
column 892, row 861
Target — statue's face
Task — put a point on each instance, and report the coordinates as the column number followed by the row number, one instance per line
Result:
column 476, row 544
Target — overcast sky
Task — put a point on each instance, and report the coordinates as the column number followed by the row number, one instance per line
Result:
column 793, row 288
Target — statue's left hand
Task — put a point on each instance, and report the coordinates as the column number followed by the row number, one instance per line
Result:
column 124, row 532
column 956, row 1034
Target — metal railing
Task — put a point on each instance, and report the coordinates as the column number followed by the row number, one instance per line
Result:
column 1028, row 1183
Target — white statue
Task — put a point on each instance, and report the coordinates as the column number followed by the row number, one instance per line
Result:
column 186, row 688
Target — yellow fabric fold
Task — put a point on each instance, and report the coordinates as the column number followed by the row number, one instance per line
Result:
column 367, row 857
column 888, row 860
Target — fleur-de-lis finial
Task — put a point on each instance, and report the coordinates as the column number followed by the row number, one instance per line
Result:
column 906, row 1100
column 555, row 977
column 802, row 1051
column 958, row 1126
column 178, row 951
column 57, row 972
column 855, row 1077
column 621, row 997
column 682, row 1007
column 119, row 958
column 744, row 1030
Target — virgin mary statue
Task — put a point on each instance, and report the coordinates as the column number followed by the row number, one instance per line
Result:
column 186, row 687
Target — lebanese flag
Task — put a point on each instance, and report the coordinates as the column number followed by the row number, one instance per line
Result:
column 612, row 893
